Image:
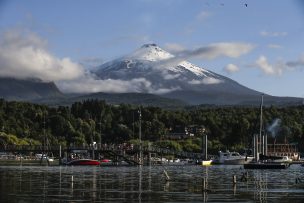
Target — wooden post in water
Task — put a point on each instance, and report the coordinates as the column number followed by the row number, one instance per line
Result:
column 254, row 147
column 60, row 155
column 93, row 153
column 149, row 151
column 204, row 184
column 234, row 179
column 167, row 176
column 265, row 145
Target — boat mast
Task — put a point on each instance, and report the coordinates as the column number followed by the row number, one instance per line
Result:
column 140, row 147
column 261, row 145
column 205, row 145
column 44, row 135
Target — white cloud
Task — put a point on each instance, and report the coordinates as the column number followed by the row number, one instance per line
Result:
column 212, row 51
column 228, row 49
column 270, row 69
column 231, row 68
column 209, row 52
column 25, row 55
column 279, row 67
column 273, row 34
column 88, row 84
column 205, row 81
column 297, row 63
column 168, row 76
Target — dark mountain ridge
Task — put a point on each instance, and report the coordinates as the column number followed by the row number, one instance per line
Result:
column 28, row 90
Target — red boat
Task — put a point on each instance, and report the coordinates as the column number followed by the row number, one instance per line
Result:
column 83, row 162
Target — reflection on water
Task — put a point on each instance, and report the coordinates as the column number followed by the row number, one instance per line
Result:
column 148, row 184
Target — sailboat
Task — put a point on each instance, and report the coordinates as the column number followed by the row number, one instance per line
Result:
column 260, row 151
column 205, row 161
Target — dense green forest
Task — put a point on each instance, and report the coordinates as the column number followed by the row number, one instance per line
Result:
column 93, row 120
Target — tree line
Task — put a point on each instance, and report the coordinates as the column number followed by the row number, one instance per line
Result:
column 96, row 121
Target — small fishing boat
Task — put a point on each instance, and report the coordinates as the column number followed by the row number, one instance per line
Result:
column 83, row 162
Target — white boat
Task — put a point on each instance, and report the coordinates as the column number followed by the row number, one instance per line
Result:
column 43, row 157
column 232, row 158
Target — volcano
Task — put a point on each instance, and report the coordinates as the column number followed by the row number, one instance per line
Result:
column 162, row 73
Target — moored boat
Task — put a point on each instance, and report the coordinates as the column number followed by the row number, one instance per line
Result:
column 275, row 159
column 232, row 158
column 266, row 165
column 83, row 162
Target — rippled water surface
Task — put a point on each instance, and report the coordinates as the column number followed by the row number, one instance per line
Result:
column 148, row 184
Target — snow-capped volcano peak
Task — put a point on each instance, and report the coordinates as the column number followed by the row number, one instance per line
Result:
column 152, row 59
column 150, row 52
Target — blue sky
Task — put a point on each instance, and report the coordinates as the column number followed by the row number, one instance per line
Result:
column 66, row 33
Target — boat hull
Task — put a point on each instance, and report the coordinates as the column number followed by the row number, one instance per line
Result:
column 236, row 161
column 266, row 166
column 239, row 161
column 84, row 162
column 206, row 163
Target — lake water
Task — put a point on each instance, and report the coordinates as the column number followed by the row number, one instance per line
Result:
column 148, row 184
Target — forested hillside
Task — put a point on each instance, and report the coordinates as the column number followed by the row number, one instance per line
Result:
column 93, row 120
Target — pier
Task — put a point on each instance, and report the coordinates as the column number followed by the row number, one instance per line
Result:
column 121, row 152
